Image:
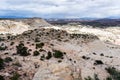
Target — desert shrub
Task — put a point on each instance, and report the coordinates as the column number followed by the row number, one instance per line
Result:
column 94, row 53
column 85, row 57
column 89, row 78
column 36, row 53
column 59, row 61
column 1, row 78
column 49, row 55
column 37, row 40
column 15, row 76
column 6, row 53
column 22, row 50
column 109, row 78
column 114, row 73
column 8, row 59
column 94, row 78
column 3, row 48
column 17, row 64
column 111, row 56
column 58, row 54
column 39, row 45
column 1, row 63
column 101, row 54
column 98, row 62
column 42, row 57
column 12, row 43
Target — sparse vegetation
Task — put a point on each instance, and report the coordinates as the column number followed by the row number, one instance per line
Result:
column 85, row 57
column 98, row 62
column 95, row 77
column 1, row 78
column 12, row 43
column 1, row 63
column 58, row 54
column 114, row 73
column 8, row 59
column 49, row 55
column 42, row 57
column 3, row 48
column 15, row 76
column 22, row 50
column 36, row 53
column 39, row 45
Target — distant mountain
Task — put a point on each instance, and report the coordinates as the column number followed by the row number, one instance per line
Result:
column 87, row 21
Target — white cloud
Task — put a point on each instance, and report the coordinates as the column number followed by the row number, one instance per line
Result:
column 63, row 8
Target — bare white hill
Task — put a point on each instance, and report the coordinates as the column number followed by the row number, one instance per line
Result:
column 18, row 26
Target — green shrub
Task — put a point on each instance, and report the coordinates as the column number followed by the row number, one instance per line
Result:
column 109, row 78
column 37, row 40
column 12, row 43
column 8, row 59
column 22, row 50
column 95, row 77
column 36, row 53
column 15, row 76
column 114, row 73
column 42, row 57
column 3, row 48
column 1, row 63
column 39, row 45
column 98, row 62
column 1, row 78
column 49, row 55
column 58, row 54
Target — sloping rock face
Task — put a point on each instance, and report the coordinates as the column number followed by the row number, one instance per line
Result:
column 61, row 71
column 18, row 26
column 34, row 22
column 12, row 27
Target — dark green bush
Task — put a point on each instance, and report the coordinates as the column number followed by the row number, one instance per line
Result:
column 95, row 77
column 3, row 48
column 114, row 73
column 37, row 40
column 49, row 55
column 58, row 54
column 36, row 53
column 1, row 78
column 42, row 57
column 1, row 63
column 39, row 45
column 109, row 78
column 98, row 62
column 15, row 76
column 8, row 59
column 12, row 43
column 22, row 50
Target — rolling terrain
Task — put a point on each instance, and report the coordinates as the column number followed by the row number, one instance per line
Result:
column 32, row 49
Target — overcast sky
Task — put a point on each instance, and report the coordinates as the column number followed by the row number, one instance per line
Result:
column 60, row 8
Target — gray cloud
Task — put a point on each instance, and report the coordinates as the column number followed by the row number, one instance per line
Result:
column 61, row 8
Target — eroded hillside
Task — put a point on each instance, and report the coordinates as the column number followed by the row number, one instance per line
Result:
column 18, row 26
column 52, row 54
